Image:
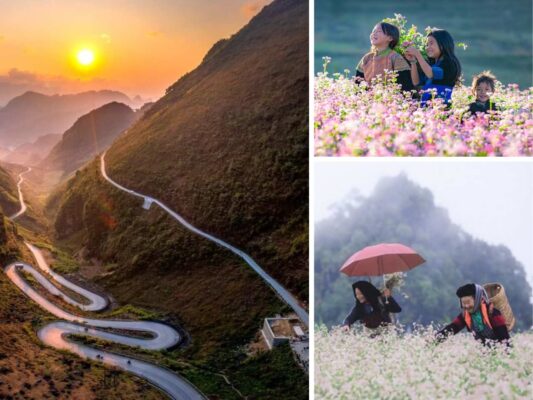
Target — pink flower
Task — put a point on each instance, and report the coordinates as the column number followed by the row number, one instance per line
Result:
column 381, row 120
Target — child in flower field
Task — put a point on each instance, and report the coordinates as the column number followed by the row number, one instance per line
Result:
column 479, row 316
column 384, row 38
column 441, row 72
column 483, row 86
column 372, row 307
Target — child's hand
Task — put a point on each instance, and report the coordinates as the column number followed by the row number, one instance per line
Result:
column 386, row 292
column 412, row 52
column 409, row 57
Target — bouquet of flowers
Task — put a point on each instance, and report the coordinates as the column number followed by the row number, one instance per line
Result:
column 412, row 37
column 394, row 280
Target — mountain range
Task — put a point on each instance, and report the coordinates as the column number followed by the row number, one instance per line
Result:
column 31, row 115
column 91, row 134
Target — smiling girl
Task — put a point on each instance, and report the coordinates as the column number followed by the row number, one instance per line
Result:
column 441, row 72
column 384, row 38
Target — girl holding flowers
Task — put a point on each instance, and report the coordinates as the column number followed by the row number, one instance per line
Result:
column 441, row 71
column 382, row 57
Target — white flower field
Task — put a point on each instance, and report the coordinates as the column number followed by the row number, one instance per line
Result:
column 391, row 365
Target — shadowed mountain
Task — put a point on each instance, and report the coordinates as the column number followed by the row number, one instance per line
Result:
column 227, row 148
column 31, row 115
column 90, row 135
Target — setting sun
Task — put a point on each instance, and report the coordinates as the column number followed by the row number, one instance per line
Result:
column 85, row 57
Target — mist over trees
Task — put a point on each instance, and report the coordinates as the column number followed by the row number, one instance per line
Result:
column 401, row 211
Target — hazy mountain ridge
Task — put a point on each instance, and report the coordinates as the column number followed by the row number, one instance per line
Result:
column 91, row 134
column 32, row 153
column 30, row 115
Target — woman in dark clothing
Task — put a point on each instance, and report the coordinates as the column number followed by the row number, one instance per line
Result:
column 441, row 72
column 371, row 307
column 479, row 316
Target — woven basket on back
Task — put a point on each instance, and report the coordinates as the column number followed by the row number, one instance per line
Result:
column 497, row 296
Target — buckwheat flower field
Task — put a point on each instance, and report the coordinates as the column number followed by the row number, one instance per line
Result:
column 391, row 365
column 358, row 119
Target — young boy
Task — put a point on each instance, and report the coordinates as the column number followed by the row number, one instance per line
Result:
column 479, row 316
column 482, row 86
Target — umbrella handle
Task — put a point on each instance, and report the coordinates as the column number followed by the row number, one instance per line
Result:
column 386, row 298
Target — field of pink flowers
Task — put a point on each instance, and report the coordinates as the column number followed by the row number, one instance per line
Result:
column 392, row 366
column 354, row 119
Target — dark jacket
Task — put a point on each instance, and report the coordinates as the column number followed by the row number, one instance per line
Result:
column 375, row 311
column 498, row 332
column 444, row 72
column 443, row 81
column 481, row 107
column 404, row 79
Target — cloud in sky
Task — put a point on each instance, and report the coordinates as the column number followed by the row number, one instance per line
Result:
column 251, row 8
column 17, row 76
column 154, row 34
column 105, row 38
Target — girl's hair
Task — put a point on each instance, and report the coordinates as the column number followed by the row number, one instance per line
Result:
column 392, row 31
column 447, row 49
column 484, row 77
column 371, row 293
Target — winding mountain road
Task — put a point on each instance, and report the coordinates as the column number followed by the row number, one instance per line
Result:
column 23, row 207
column 56, row 334
column 283, row 293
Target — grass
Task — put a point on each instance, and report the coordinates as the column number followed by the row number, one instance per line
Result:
column 9, row 202
column 132, row 312
column 63, row 263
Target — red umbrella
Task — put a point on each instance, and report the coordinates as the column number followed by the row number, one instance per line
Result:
column 381, row 259
column 384, row 258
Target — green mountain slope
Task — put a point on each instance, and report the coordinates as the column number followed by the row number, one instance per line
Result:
column 9, row 202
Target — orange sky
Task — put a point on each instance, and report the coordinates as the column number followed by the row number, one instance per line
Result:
column 141, row 46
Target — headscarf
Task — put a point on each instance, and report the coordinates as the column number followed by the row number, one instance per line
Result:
column 481, row 295
column 478, row 292
column 370, row 292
